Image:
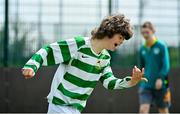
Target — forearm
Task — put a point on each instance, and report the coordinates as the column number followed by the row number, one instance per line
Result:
column 36, row 60
column 42, row 57
column 123, row 83
column 46, row 56
column 114, row 83
column 165, row 64
column 129, row 81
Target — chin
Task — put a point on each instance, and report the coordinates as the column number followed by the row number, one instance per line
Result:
column 113, row 49
column 146, row 38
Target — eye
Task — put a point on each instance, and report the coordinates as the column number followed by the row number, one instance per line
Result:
column 121, row 38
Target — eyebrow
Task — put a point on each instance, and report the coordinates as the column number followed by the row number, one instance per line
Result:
column 121, row 37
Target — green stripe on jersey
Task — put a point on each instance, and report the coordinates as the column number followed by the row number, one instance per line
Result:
column 58, row 101
column 86, row 67
column 112, row 83
column 64, row 50
column 79, row 41
column 72, row 94
column 50, row 56
column 79, row 82
column 37, row 58
column 31, row 66
column 88, row 51
column 106, row 54
column 105, row 76
column 103, row 56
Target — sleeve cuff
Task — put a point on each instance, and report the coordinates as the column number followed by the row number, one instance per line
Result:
column 123, row 83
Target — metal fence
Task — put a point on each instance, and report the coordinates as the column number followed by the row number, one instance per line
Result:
column 35, row 23
column 29, row 96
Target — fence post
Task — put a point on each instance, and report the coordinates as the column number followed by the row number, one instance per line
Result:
column 109, row 7
column 6, row 34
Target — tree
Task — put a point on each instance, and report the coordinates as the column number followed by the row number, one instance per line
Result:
column 18, row 46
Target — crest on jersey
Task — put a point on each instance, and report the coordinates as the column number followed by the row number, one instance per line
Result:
column 156, row 51
column 143, row 52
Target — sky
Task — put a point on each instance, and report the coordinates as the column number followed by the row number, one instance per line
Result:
column 79, row 17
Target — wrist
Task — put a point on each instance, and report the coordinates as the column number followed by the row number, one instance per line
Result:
column 130, row 82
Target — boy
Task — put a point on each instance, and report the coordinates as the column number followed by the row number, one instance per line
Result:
column 82, row 63
column 154, row 57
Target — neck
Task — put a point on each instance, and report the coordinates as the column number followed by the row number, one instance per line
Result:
column 97, row 45
column 150, row 41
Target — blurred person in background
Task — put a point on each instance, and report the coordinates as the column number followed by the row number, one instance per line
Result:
column 83, row 61
column 154, row 57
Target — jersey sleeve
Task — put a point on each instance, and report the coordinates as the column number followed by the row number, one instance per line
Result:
column 141, row 62
column 165, row 62
column 55, row 53
column 109, row 81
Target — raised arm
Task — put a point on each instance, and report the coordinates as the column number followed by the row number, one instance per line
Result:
column 111, row 82
column 55, row 53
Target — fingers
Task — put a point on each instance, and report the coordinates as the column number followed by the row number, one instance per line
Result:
column 133, row 72
column 143, row 71
column 144, row 79
column 137, row 76
column 28, row 73
column 137, row 69
column 137, row 72
column 28, row 77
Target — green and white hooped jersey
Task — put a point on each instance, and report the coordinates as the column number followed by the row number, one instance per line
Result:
column 80, row 68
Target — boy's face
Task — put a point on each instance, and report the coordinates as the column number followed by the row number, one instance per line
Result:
column 146, row 33
column 114, row 42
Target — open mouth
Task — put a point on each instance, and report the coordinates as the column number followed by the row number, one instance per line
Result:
column 116, row 45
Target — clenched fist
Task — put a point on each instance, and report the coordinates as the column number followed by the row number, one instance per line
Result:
column 28, row 73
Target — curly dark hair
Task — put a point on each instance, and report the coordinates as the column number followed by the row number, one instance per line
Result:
column 111, row 25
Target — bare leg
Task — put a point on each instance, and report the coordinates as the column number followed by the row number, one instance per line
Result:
column 163, row 110
column 144, row 108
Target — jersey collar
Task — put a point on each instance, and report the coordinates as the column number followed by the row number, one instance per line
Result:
column 154, row 41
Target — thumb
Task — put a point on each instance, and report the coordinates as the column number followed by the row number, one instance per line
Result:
column 144, row 79
column 133, row 71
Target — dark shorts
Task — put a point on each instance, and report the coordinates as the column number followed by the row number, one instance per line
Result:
column 160, row 98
